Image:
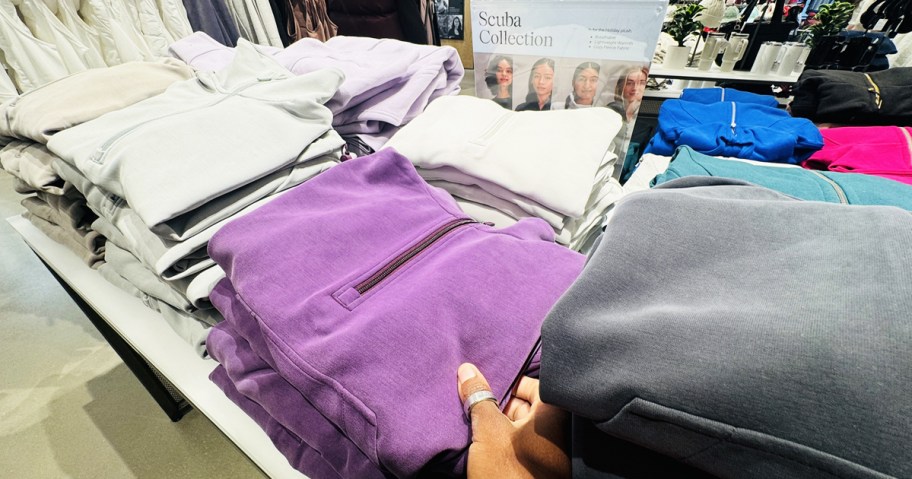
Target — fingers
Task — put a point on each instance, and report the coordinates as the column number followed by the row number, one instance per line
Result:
column 527, row 389
column 517, row 409
column 487, row 420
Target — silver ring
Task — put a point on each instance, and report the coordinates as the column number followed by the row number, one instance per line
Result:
column 476, row 398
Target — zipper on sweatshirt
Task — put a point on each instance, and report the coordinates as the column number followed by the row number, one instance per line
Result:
column 525, row 367
column 733, row 124
column 908, row 136
column 839, row 191
column 102, row 151
column 403, row 258
column 494, row 128
column 878, row 100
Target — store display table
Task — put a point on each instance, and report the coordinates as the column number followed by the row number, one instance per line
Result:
column 149, row 336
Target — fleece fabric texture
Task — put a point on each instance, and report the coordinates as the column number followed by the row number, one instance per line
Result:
column 387, row 82
column 798, row 182
column 741, row 130
column 874, row 150
column 369, row 323
column 203, row 138
column 31, row 163
column 555, row 165
column 717, row 94
column 85, row 96
column 748, row 334
column 850, row 98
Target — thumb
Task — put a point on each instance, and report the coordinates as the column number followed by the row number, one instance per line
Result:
column 488, row 422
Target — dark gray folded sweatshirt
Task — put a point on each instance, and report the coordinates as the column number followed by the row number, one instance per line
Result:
column 743, row 332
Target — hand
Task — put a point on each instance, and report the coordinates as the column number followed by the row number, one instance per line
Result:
column 529, row 441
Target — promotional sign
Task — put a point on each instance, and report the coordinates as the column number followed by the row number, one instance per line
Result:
column 551, row 54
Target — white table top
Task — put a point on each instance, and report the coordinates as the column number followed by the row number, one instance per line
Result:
column 148, row 333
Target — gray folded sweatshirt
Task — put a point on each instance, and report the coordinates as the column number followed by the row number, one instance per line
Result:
column 743, row 332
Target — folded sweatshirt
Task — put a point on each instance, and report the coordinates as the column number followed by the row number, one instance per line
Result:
column 31, row 162
column 228, row 128
column 717, row 94
column 805, row 184
column 752, row 336
column 553, row 158
column 387, row 82
column 742, row 130
column 84, row 96
column 875, row 150
column 363, row 246
column 243, row 354
column 855, row 98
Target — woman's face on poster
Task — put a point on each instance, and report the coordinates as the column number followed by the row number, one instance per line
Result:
column 543, row 80
column 584, row 86
column 504, row 73
column 635, row 86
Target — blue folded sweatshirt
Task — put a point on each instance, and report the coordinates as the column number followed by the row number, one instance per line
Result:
column 740, row 130
column 813, row 185
column 717, row 94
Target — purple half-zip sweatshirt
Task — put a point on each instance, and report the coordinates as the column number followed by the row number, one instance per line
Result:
column 369, row 288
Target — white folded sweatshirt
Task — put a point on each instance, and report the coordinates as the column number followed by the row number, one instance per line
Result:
column 551, row 157
column 204, row 137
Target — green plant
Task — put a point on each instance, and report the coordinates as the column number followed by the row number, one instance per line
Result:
column 830, row 20
column 684, row 22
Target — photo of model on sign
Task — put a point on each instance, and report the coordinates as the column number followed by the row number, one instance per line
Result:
column 530, row 83
column 450, row 19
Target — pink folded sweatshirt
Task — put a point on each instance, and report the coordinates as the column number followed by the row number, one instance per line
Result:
column 874, row 150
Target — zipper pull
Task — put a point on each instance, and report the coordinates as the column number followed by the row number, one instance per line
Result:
column 733, row 124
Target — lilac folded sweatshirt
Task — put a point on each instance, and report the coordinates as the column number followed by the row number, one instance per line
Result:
column 369, row 290
column 387, row 82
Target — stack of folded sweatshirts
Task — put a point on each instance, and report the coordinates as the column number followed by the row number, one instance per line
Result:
column 53, row 206
column 70, row 209
column 736, row 124
column 165, row 173
column 811, row 185
column 503, row 165
column 387, row 82
column 370, row 288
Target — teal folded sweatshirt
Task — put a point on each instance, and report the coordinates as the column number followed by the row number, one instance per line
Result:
column 832, row 187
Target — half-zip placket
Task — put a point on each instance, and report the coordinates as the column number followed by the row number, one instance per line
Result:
column 839, row 191
column 494, row 128
column 403, row 258
column 908, row 136
column 733, row 124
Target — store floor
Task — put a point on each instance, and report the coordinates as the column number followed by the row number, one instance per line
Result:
column 69, row 407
